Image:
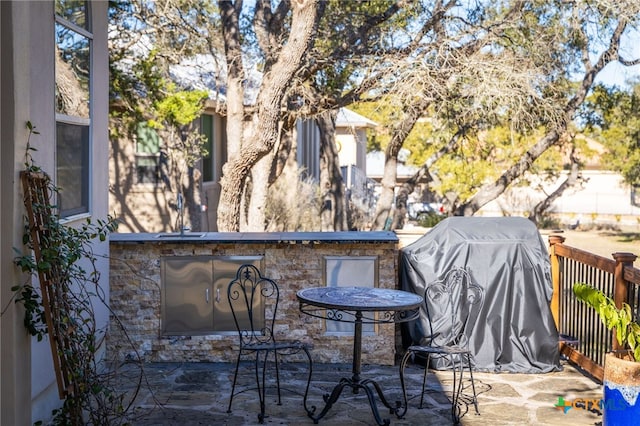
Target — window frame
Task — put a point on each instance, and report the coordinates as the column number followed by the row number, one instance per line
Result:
column 82, row 211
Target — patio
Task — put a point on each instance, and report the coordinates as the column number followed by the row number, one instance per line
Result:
column 194, row 388
column 197, row 394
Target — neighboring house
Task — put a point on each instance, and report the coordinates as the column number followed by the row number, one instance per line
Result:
column 141, row 195
column 351, row 144
column 143, row 202
column 71, row 147
column 351, row 141
column 351, row 138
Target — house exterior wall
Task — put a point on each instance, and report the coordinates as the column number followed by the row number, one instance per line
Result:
column 151, row 207
column 139, row 207
column 28, row 391
column 15, row 390
column 352, row 147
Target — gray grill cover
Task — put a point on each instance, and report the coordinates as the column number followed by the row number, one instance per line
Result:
column 515, row 331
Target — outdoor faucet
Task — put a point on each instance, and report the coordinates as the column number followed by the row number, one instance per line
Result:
column 180, row 207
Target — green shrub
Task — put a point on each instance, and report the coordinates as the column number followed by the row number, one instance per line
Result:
column 430, row 219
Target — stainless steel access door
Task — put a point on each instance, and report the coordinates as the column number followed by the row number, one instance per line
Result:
column 186, row 295
column 224, row 270
column 194, row 294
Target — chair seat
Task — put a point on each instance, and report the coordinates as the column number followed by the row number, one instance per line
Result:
column 449, row 350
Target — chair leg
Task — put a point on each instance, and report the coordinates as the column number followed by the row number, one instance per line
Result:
column 403, row 363
column 306, row 390
column 424, row 380
column 473, row 386
column 260, row 382
column 275, row 356
column 455, row 396
column 235, row 377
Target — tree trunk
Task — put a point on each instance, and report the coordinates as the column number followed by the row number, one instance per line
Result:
column 268, row 114
column 423, row 172
column 390, row 174
column 193, row 198
column 333, row 213
column 492, row 191
column 285, row 154
column 537, row 212
column 257, row 202
column 387, row 192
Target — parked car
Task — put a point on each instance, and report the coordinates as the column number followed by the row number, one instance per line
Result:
column 415, row 210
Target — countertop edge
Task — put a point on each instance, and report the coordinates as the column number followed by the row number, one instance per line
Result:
column 256, row 237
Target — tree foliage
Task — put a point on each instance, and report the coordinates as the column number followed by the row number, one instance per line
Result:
column 145, row 43
column 581, row 38
column 612, row 116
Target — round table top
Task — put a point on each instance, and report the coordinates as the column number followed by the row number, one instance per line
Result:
column 360, row 298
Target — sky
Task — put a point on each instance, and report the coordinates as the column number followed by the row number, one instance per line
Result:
column 617, row 74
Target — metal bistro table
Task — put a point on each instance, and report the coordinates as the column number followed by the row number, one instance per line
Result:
column 347, row 304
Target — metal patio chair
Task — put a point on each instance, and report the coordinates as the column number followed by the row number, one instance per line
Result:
column 452, row 305
column 254, row 302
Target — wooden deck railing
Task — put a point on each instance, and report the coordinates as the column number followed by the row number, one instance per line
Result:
column 584, row 340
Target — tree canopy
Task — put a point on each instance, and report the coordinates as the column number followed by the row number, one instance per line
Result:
column 492, row 84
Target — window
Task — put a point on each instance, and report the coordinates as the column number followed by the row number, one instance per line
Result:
column 147, row 155
column 206, row 128
column 73, row 106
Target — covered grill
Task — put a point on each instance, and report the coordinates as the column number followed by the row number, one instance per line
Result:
column 515, row 331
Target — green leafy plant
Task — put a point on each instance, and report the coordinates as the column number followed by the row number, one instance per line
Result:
column 60, row 258
column 627, row 331
column 430, row 219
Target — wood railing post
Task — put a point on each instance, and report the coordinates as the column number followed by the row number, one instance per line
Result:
column 555, row 278
column 620, row 286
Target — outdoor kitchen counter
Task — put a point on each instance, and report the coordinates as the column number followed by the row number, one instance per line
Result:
column 154, row 277
column 347, row 237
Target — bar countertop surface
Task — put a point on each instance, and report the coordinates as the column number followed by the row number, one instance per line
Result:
column 256, row 237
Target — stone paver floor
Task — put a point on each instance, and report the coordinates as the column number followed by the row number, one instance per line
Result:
column 197, row 394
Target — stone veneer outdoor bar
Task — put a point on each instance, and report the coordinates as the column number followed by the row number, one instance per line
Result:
column 293, row 259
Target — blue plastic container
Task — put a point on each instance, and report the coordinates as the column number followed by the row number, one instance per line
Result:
column 621, row 405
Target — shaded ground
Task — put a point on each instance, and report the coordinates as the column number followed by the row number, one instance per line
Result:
column 197, row 394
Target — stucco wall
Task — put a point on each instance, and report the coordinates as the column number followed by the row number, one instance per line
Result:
column 28, row 391
column 136, row 290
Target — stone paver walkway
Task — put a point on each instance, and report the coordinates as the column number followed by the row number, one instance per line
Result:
column 197, row 394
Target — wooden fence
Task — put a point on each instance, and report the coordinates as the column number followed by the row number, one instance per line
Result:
column 583, row 338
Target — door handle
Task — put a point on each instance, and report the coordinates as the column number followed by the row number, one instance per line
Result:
column 218, row 295
column 206, row 295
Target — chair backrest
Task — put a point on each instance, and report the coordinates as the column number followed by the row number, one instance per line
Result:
column 452, row 306
column 254, row 301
